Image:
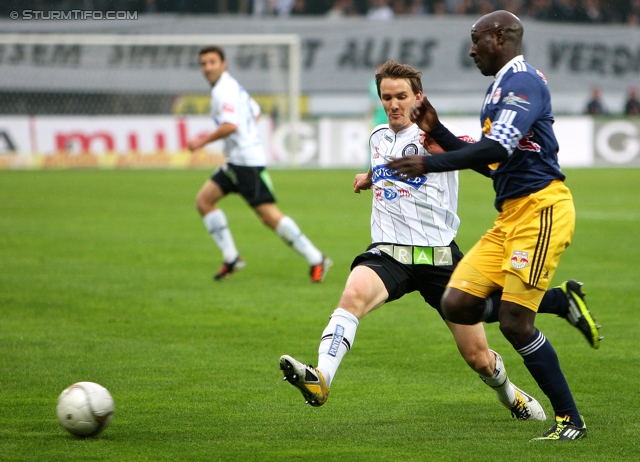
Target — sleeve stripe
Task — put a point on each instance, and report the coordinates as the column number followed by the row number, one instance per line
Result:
column 506, row 116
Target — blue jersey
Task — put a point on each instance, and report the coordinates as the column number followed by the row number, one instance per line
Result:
column 517, row 114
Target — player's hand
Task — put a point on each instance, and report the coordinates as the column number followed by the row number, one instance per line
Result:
column 430, row 144
column 196, row 144
column 424, row 115
column 362, row 182
column 407, row 167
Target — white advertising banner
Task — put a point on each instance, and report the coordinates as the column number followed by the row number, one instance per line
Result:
column 617, row 143
column 161, row 141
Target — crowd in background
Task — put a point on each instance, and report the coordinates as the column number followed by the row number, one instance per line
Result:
column 596, row 106
column 568, row 11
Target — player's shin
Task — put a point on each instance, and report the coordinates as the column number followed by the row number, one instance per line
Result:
column 217, row 227
column 290, row 233
column 336, row 341
column 542, row 362
column 499, row 381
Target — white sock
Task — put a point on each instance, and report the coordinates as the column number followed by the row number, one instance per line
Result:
column 216, row 224
column 291, row 234
column 500, row 382
column 337, row 340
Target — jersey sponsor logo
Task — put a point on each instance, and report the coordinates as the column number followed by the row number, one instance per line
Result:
column 338, row 335
column 519, row 259
column 541, row 75
column 410, row 150
column 228, row 107
column 526, row 144
column 495, row 97
column 516, row 100
column 380, row 173
column 390, row 194
column 423, row 256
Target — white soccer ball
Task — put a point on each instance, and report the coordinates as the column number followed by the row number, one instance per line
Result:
column 85, row 408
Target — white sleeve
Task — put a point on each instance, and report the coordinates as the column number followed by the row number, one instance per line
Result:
column 457, row 131
column 256, row 111
column 225, row 103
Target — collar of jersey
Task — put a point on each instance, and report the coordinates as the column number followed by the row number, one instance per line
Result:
column 506, row 67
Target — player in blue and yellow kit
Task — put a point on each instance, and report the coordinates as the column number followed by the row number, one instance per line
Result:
column 519, row 255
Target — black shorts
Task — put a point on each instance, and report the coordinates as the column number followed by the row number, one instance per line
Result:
column 400, row 279
column 252, row 183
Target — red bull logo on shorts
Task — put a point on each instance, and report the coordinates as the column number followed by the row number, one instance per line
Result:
column 519, row 259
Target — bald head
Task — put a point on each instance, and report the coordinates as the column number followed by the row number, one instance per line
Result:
column 504, row 21
column 497, row 39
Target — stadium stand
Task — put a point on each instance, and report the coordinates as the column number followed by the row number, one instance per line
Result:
column 565, row 11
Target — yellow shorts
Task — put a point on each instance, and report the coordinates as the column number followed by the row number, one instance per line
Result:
column 520, row 254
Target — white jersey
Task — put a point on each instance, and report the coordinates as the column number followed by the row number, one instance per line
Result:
column 232, row 104
column 416, row 211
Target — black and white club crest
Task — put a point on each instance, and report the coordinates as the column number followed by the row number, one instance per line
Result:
column 410, row 150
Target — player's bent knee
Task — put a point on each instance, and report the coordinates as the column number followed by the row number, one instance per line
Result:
column 354, row 301
column 203, row 206
column 516, row 332
column 460, row 307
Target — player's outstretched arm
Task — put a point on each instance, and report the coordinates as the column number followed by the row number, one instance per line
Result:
column 222, row 131
column 474, row 155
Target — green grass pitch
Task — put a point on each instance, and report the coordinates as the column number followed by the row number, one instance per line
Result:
column 105, row 276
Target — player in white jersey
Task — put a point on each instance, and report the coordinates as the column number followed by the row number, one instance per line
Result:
column 413, row 224
column 235, row 113
column 421, row 211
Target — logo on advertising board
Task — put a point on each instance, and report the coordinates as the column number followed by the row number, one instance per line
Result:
column 617, row 142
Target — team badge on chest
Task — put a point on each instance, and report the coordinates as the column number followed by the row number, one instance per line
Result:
column 495, row 97
column 410, row 150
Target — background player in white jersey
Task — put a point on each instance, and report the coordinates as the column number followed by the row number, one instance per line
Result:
column 413, row 224
column 235, row 114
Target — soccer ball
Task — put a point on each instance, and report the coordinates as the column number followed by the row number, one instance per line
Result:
column 85, row 409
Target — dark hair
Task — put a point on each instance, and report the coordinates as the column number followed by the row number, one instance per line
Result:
column 212, row 49
column 394, row 70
